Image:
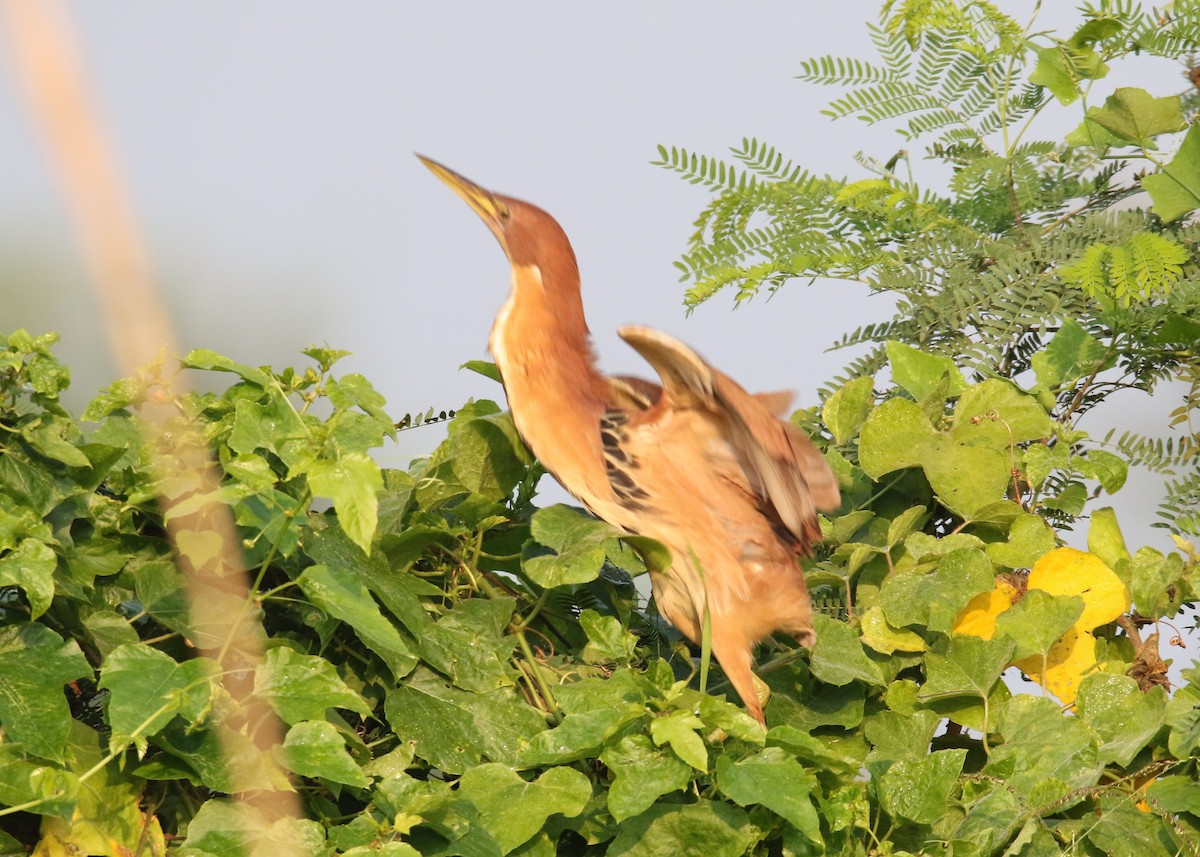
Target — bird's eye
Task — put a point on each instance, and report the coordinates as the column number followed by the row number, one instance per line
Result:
column 503, row 211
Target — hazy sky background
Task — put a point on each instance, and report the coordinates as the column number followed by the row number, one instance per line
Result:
column 268, row 148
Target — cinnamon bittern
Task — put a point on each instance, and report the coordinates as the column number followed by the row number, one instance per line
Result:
column 696, row 463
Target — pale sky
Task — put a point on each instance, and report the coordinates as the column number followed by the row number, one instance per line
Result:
column 268, row 148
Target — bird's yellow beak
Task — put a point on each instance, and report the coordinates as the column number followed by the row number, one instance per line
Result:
column 482, row 202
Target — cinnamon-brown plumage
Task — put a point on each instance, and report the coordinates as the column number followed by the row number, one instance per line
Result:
column 697, row 463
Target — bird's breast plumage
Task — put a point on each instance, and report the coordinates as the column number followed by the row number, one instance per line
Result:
column 555, row 395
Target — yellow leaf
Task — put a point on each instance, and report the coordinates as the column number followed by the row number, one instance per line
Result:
column 108, row 820
column 1071, row 658
column 51, row 846
column 1067, row 571
column 978, row 618
column 1062, row 571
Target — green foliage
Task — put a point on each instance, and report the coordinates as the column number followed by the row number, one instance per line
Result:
column 1009, row 252
column 458, row 672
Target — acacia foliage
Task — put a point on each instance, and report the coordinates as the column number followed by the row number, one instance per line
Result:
column 1011, row 252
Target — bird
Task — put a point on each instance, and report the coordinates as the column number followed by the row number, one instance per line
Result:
column 714, row 473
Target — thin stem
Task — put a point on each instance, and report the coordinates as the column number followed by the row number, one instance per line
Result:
column 309, row 397
column 870, row 500
column 1002, row 101
column 986, row 725
column 960, row 527
column 543, row 687
column 252, row 594
column 149, row 641
column 533, row 611
column 780, row 662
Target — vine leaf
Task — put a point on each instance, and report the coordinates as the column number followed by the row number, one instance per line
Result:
column 486, row 368
column 1129, row 117
column 609, row 642
column 454, row 729
column 1061, row 67
column 1155, row 581
column 109, row 815
column 513, row 809
column 965, row 666
column 935, row 599
column 352, row 482
column 302, row 687
column 1069, row 593
column 773, row 778
column 342, row 595
column 845, row 410
column 917, row 789
column 35, row 663
column 966, row 477
column 879, row 634
column 31, row 566
column 577, row 547
column 642, row 774
column 1072, row 354
column 313, row 748
column 1105, row 539
column 920, row 373
column 978, row 618
column 1029, row 538
column 997, row 414
column 135, row 674
column 1038, row 621
column 1067, row 571
column 838, row 657
column 708, row 827
column 1176, row 190
column 679, row 730
column 1125, row 717
column 1044, row 755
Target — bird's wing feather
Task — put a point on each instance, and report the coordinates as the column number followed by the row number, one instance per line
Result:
column 781, row 465
column 631, row 393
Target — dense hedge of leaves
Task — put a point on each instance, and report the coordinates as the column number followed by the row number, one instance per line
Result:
column 459, row 673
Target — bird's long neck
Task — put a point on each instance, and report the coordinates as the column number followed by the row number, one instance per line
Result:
column 541, row 344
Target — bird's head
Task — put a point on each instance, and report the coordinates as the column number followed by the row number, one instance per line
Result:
column 528, row 235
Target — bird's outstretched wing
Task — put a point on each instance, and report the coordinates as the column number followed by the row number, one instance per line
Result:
column 782, row 467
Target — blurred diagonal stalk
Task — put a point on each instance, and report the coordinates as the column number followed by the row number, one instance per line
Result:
column 48, row 69
column 46, row 63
